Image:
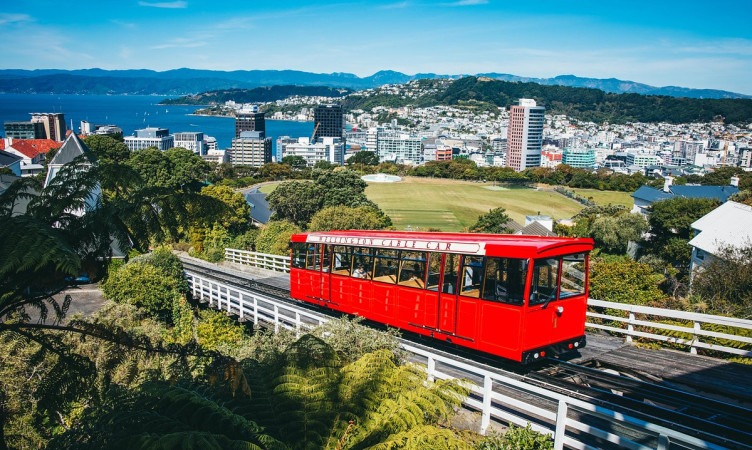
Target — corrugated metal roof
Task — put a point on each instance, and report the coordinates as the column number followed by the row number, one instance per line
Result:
column 650, row 194
column 721, row 193
column 71, row 149
column 729, row 225
column 259, row 206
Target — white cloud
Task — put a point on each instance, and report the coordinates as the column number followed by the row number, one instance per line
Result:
column 9, row 18
column 170, row 5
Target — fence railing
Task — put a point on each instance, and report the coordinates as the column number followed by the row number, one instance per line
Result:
column 260, row 260
column 571, row 422
column 648, row 322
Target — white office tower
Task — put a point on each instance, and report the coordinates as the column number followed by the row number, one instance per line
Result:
column 525, row 135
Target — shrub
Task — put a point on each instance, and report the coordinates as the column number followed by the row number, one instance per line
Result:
column 146, row 286
column 215, row 330
column 275, row 237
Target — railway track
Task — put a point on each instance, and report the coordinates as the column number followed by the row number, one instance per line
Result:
column 713, row 420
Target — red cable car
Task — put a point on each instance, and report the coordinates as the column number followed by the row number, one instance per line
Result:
column 519, row 297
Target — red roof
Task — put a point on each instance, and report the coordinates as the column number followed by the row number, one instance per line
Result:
column 31, row 147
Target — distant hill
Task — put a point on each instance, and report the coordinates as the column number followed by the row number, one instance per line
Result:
column 192, row 81
column 580, row 103
column 256, row 95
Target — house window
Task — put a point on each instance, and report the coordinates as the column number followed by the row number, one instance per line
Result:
column 699, row 254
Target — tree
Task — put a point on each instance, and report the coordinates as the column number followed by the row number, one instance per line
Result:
column 493, row 222
column 365, row 157
column 275, row 171
column 348, row 218
column 296, row 201
column 274, row 238
column 235, row 217
column 105, row 147
column 725, row 282
column 176, row 168
column 671, row 227
column 613, row 233
column 625, row 281
column 295, row 161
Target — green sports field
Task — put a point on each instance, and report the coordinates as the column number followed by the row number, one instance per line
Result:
column 452, row 205
column 605, row 197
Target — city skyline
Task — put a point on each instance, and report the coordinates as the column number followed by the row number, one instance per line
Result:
column 660, row 43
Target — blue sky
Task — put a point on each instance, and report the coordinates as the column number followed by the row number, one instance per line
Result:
column 698, row 44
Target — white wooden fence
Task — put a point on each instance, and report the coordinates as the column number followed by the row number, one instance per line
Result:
column 260, row 260
column 495, row 396
column 637, row 321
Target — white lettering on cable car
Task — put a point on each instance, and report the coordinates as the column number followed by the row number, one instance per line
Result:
column 472, row 248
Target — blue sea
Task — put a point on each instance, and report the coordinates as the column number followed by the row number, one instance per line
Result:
column 131, row 112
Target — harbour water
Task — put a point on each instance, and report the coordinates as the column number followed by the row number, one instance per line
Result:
column 131, row 112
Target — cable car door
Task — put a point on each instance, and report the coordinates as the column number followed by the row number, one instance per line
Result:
column 326, row 266
column 448, row 293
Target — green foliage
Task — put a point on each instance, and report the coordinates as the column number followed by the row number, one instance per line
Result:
column 365, row 157
column 625, row 281
column 145, row 286
column 274, row 238
column 516, row 438
column 245, row 241
column 215, row 329
column 107, row 148
column 494, row 222
column 176, row 168
column 347, row 218
column 295, row 161
column 235, row 217
column 725, row 282
column 671, row 227
column 612, row 234
column 351, row 340
column 296, row 201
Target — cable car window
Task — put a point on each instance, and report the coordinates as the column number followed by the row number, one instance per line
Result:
column 326, row 258
column 311, row 260
column 298, row 254
column 362, row 262
column 505, row 280
column 434, row 271
column 385, row 269
column 342, row 260
column 572, row 275
column 413, row 269
column 545, row 277
column 451, row 265
column 472, row 276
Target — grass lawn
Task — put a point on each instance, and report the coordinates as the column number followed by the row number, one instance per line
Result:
column 603, row 198
column 452, row 205
column 268, row 188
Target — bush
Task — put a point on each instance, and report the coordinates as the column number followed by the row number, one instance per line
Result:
column 152, row 281
column 275, row 237
column 215, row 330
column 516, row 438
column 625, row 281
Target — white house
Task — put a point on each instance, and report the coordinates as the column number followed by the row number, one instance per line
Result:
column 729, row 225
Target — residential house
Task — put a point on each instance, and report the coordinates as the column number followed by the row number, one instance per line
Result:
column 11, row 161
column 32, row 152
column 728, row 226
column 645, row 196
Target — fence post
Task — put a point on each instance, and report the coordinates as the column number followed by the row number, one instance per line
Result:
column 630, row 326
column 276, row 318
column 561, row 425
column 241, row 305
column 431, row 369
column 255, row 312
column 695, row 337
column 485, row 419
column 297, row 324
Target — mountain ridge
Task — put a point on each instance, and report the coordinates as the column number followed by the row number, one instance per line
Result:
column 185, row 81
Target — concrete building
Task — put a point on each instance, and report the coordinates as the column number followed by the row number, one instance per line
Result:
column 525, row 135
column 54, row 125
column 282, row 143
column 251, row 149
column 583, row 158
column 25, row 130
column 217, row 156
column 248, row 120
column 643, row 160
column 328, row 121
column 192, row 140
column 150, row 137
column 330, row 149
column 400, row 148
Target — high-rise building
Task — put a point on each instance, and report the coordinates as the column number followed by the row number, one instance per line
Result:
column 54, row 124
column 328, row 121
column 251, row 148
column 583, row 158
column 250, row 121
column 150, row 137
column 400, row 148
column 25, row 130
column 525, row 135
column 192, row 140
